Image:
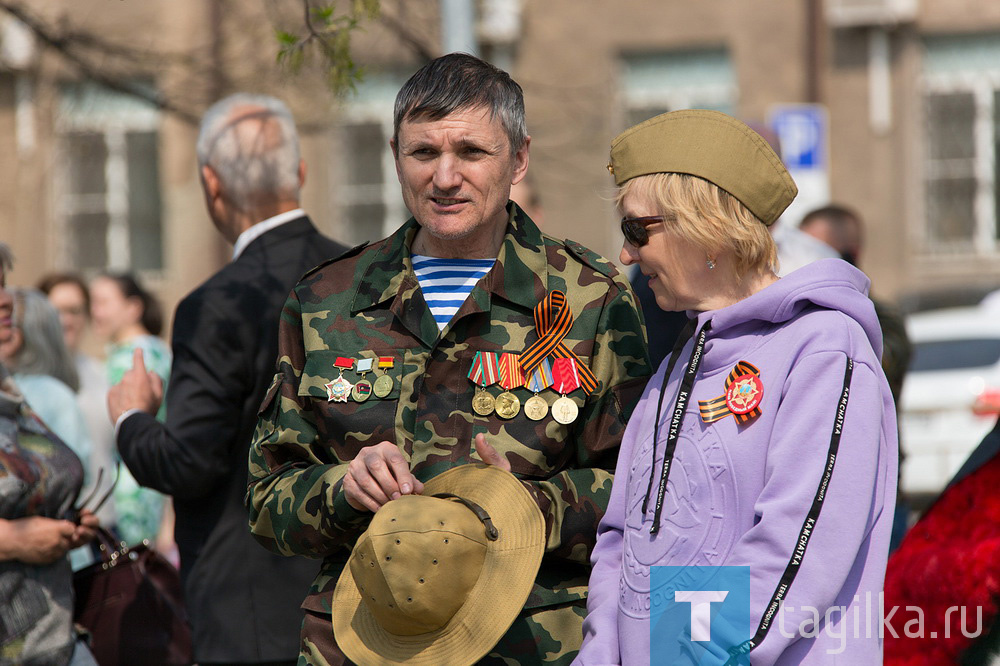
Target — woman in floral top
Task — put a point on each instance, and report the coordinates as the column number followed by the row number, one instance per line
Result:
column 129, row 318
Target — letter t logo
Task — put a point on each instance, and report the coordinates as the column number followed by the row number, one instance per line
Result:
column 701, row 610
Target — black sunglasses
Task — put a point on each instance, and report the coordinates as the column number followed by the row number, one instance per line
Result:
column 74, row 513
column 634, row 228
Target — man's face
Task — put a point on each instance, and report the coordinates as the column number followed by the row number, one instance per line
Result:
column 456, row 173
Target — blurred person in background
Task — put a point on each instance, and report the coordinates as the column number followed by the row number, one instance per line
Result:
column 40, row 479
column 225, row 342
column 837, row 226
column 43, row 368
column 71, row 298
column 128, row 318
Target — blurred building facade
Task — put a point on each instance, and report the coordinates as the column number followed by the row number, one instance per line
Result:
column 93, row 177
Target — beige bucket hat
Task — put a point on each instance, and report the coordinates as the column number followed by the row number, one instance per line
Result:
column 439, row 580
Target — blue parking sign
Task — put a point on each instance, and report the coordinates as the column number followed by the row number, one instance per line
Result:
column 802, row 131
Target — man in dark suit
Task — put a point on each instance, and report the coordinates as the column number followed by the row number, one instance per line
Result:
column 243, row 601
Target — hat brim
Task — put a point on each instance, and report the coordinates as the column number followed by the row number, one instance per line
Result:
column 508, row 574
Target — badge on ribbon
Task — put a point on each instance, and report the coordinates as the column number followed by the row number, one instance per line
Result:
column 483, row 373
column 383, row 384
column 536, row 408
column 511, row 377
column 744, row 392
column 565, row 379
column 553, row 320
column 363, row 388
column 340, row 389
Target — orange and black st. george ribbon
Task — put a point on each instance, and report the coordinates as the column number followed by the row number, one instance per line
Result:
column 743, row 373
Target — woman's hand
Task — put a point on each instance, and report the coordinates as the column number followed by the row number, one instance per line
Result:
column 37, row 540
column 86, row 529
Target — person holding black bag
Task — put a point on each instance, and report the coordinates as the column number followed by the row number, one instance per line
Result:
column 40, row 478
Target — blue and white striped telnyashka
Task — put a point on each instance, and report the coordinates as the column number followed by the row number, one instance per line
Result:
column 446, row 283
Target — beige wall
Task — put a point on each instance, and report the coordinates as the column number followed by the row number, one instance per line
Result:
column 567, row 58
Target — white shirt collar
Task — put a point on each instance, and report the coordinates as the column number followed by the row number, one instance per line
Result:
column 261, row 228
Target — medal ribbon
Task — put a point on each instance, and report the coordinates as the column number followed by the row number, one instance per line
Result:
column 716, row 408
column 565, row 378
column 343, row 362
column 365, row 365
column 541, row 378
column 553, row 320
column 385, row 362
column 511, row 376
column 484, row 369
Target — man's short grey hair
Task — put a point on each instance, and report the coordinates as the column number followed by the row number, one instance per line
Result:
column 43, row 350
column 457, row 82
column 251, row 143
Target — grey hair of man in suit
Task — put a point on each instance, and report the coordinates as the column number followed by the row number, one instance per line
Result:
column 249, row 161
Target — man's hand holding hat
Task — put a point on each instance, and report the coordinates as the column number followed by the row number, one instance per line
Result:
column 381, row 473
column 378, row 474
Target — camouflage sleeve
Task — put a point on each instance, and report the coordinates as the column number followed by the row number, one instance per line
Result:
column 574, row 500
column 295, row 497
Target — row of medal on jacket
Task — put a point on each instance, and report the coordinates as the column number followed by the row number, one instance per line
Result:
column 504, row 368
column 339, row 390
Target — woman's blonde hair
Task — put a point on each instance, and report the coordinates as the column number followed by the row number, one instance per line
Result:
column 706, row 215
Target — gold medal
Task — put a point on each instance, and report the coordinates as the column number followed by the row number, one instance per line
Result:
column 383, row 386
column 536, row 408
column 361, row 391
column 507, row 405
column 483, row 403
column 564, row 410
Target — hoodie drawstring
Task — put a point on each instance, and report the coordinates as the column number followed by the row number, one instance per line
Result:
column 677, row 420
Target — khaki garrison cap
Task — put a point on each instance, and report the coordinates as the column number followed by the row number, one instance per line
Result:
column 712, row 146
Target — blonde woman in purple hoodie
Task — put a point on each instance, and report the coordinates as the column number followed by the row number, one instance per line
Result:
column 764, row 444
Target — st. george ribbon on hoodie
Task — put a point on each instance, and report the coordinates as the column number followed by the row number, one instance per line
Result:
column 746, row 494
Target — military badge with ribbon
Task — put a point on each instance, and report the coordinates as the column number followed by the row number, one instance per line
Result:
column 744, row 392
column 383, row 383
column 565, row 379
column 340, row 389
column 483, row 373
column 536, row 408
column 511, row 377
column 363, row 388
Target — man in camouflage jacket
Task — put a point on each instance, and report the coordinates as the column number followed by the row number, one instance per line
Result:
column 318, row 467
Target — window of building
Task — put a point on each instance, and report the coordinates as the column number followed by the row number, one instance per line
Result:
column 108, row 189
column 654, row 83
column 961, row 135
column 367, row 191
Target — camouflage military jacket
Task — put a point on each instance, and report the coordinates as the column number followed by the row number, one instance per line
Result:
column 368, row 304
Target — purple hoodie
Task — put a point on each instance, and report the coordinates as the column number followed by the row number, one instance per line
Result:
column 747, row 494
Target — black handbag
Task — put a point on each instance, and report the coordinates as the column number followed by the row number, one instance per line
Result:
column 132, row 604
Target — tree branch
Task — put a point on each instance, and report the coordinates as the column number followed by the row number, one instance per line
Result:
column 64, row 45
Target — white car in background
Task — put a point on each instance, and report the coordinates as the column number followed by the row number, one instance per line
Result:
column 951, row 394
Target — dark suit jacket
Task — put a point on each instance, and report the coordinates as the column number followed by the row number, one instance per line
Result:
column 243, row 600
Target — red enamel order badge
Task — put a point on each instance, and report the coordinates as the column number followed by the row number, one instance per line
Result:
column 744, row 394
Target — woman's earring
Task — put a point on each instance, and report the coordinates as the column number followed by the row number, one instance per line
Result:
column 710, row 264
